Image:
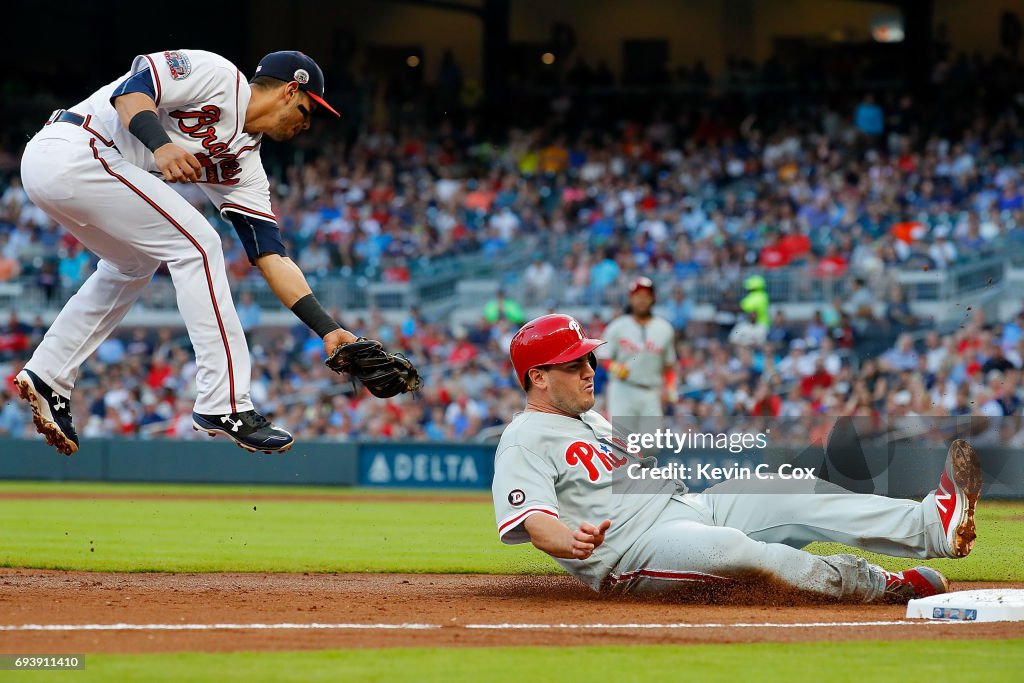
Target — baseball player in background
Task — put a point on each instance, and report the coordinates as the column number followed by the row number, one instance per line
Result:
column 100, row 170
column 640, row 357
column 553, row 486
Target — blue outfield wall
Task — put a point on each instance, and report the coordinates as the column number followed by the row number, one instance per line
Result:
column 180, row 461
column 373, row 464
column 426, row 465
column 446, row 465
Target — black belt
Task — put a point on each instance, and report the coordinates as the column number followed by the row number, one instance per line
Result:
column 62, row 116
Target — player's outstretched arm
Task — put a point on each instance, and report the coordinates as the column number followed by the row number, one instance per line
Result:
column 289, row 284
column 558, row 540
column 137, row 112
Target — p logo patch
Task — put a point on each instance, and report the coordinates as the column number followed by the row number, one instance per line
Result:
column 516, row 498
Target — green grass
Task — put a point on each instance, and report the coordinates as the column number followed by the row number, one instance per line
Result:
column 229, row 490
column 844, row 662
column 243, row 533
column 996, row 555
column 248, row 534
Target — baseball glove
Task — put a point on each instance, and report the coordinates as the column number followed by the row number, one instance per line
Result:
column 383, row 374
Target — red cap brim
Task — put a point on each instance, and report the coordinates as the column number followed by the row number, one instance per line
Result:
column 323, row 103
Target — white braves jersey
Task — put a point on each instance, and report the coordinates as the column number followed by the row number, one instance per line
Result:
column 646, row 349
column 201, row 99
column 563, row 467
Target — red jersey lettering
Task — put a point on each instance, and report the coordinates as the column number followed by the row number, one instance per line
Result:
column 583, row 453
column 199, row 125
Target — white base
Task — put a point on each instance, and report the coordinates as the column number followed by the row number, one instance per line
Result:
column 993, row 604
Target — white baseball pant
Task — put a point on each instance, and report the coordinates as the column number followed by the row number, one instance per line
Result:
column 134, row 222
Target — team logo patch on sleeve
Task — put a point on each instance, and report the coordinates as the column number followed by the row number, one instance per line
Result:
column 516, row 498
column 179, row 65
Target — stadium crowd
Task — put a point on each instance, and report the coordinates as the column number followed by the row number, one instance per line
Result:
column 835, row 187
column 830, row 185
column 142, row 383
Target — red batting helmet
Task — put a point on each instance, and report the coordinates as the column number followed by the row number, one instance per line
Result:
column 547, row 340
column 641, row 283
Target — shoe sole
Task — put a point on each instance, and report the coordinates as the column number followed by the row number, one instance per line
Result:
column 48, row 428
column 245, row 446
column 967, row 477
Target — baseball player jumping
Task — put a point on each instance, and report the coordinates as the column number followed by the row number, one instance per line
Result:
column 640, row 355
column 100, row 169
column 553, row 486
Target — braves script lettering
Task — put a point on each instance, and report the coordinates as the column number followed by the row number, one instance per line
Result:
column 199, row 125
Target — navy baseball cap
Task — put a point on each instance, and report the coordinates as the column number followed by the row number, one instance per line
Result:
column 291, row 65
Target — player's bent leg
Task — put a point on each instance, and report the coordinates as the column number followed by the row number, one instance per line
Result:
column 159, row 222
column 57, row 168
column 678, row 553
column 192, row 249
column 86, row 321
column 798, row 512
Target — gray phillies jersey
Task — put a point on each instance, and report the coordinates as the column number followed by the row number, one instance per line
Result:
column 562, row 466
column 646, row 349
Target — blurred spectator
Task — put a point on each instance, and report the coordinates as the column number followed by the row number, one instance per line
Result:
column 14, row 338
column 756, row 301
column 902, row 356
column 9, row 266
column 942, row 252
column 748, row 331
column 773, row 254
column 860, row 303
column 249, row 312
column 678, row 310
column 13, row 418
column 503, row 308
column 897, row 311
column 832, row 265
column 538, row 280
column 869, row 118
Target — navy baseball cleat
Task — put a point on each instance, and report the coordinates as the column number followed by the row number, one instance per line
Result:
column 919, row 582
column 957, row 496
column 249, row 430
column 51, row 412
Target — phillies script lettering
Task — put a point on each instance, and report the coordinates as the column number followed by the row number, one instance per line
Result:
column 220, row 165
column 632, row 347
column 590, row 456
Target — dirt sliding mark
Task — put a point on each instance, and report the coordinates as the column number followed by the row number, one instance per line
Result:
column 449, row 602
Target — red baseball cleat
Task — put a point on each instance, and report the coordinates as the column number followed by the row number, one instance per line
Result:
column 919, row 582
column 957, row 496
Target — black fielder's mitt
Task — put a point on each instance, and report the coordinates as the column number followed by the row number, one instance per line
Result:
column 383, row 374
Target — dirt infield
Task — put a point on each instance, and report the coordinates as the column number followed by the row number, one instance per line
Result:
column 175, row 612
